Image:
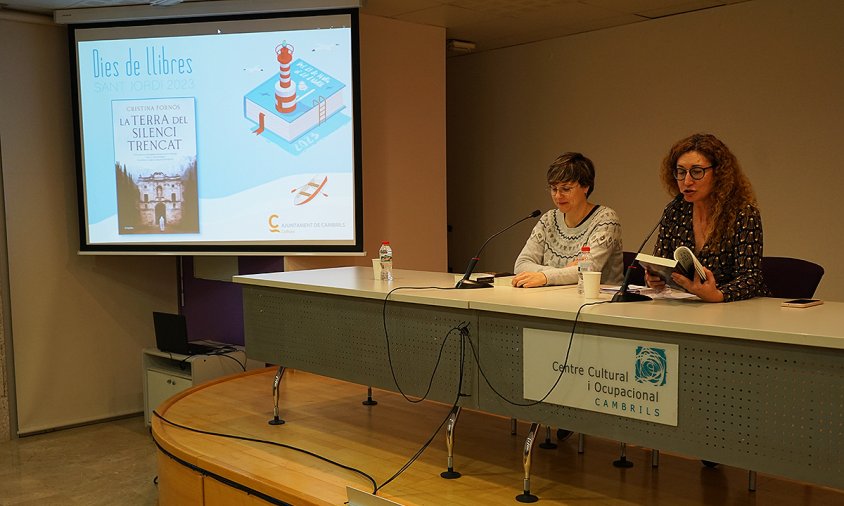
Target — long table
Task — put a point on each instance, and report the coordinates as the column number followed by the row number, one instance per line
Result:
column 760, row 386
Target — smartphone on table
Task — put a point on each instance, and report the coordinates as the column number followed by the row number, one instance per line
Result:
column 802, row 303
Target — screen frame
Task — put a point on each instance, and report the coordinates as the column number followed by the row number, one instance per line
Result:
column 244, row 248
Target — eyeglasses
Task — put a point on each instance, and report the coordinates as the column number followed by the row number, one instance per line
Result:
column 695, row 172
column 561, row 189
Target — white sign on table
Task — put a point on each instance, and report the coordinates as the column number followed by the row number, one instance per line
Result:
column 623, row 377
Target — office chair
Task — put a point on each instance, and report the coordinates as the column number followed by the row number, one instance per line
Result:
column 791, row 278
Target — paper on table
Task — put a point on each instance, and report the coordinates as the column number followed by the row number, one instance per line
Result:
column 666, row 293
column 630, row 288
column 503, row 281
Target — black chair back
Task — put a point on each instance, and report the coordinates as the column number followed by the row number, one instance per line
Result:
column 791, row 278
column 637, row 277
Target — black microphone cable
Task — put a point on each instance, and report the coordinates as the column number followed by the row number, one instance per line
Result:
column 260, row 441
column 463, row 329
column 456, row 328
column 222, row 351
column 476, row 355
column 464, row 333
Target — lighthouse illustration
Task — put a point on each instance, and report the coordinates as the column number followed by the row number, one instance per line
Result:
column 297, row 100
column 285, row 90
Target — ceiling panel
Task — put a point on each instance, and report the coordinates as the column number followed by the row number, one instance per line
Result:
column 510, row 8
column 392, row 8
column 541, row 33
column 572, row 14
column 647, row 5
column 445, row 15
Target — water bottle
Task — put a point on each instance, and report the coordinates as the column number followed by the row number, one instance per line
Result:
column 385, row 254
column 584, row 264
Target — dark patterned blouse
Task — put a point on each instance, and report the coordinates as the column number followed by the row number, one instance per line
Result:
column 736, row 263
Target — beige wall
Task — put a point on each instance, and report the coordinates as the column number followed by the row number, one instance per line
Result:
column 80, row 322
column 403, row 122
column 763, row 75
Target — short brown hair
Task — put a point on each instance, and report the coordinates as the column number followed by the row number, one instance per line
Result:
column 572, row 167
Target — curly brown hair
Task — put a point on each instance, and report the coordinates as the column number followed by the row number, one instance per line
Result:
column 731, row 190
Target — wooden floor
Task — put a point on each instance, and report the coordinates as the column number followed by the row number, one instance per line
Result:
column 326, row 417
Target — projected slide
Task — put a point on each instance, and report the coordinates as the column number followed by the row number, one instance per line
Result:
column 218, row 133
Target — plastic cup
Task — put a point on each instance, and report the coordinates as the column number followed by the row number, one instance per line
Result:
column 591, row 285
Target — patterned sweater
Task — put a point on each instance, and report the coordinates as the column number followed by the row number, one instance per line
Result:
column 736, row 263
column 552, row 245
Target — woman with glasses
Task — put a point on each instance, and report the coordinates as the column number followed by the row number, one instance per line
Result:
column 550, row 254
column 717, row 218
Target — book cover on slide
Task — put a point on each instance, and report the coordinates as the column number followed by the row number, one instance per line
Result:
column 155, row 166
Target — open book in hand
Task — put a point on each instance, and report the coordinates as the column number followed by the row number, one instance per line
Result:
column 684, row 262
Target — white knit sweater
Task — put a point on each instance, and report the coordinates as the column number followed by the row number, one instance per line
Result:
column 552, row 245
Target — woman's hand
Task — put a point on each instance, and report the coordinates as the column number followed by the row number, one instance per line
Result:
column 529, row 280
column 654, row 281
column 706, row 290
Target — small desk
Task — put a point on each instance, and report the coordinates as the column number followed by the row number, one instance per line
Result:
column 760, row 387
column 166, row 374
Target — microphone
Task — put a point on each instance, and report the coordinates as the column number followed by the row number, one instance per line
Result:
column 468, row 283
column 623, row 295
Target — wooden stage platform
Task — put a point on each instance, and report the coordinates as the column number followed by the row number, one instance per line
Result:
column 325, row 417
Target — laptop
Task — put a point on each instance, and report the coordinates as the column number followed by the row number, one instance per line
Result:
column 171, row 335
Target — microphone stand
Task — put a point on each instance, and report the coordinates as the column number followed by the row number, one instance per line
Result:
column 623, row 295
column 468, row 283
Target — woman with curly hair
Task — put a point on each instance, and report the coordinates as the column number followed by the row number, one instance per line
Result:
column 717, row 218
